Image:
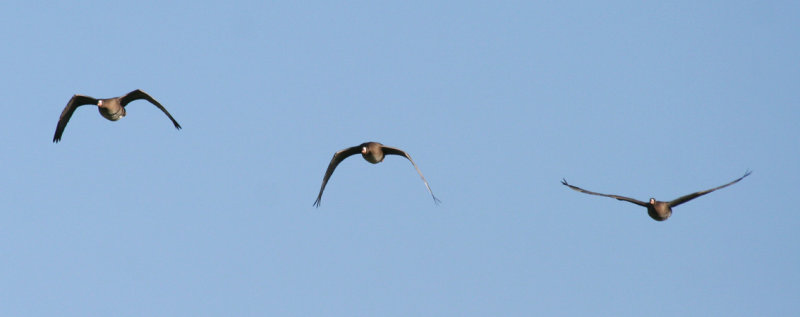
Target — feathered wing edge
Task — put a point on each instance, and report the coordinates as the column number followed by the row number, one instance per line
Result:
column 396, row 151
column 337, row 158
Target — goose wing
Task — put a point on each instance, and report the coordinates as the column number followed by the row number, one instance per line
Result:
column 623, row 198
column 338, row 157
column 139, row 94
column 689, row 197
column 396, row 151
column 74, row 102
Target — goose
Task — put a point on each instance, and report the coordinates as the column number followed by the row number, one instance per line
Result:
column 112, row 109
column 658, row 210
column 372, row 152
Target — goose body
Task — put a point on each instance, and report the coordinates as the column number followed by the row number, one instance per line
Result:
column 111, row 109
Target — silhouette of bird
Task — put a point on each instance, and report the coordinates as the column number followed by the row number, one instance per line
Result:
column 658, row 210
column 372, row 152
column 112, row 109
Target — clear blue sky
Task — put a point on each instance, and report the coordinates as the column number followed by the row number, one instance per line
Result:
column 496, row 102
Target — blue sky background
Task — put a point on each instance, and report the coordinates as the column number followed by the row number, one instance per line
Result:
column 496, row 102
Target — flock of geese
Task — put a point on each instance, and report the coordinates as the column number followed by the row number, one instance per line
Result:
column 113, row 109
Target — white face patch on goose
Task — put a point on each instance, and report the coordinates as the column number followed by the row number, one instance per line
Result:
column 99, row 103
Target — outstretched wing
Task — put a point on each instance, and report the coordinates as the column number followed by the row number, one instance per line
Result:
column 338, row 157
column 139, row 94
column 689, row 197
column 640, row 203
column 75, row 102
column 396, row 151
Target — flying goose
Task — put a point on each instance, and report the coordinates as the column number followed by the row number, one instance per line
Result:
column 372, row 152
column 658, row 210
column 112, row 108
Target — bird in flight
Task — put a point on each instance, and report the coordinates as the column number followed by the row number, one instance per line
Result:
column 112, row 109
column 658, row 210
column 372, row 152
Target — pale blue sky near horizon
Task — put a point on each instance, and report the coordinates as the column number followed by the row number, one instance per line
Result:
column 495, row 101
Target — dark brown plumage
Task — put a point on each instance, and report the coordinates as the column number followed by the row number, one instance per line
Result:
column 658, row 210
column 372, row 152
column 112, row 109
